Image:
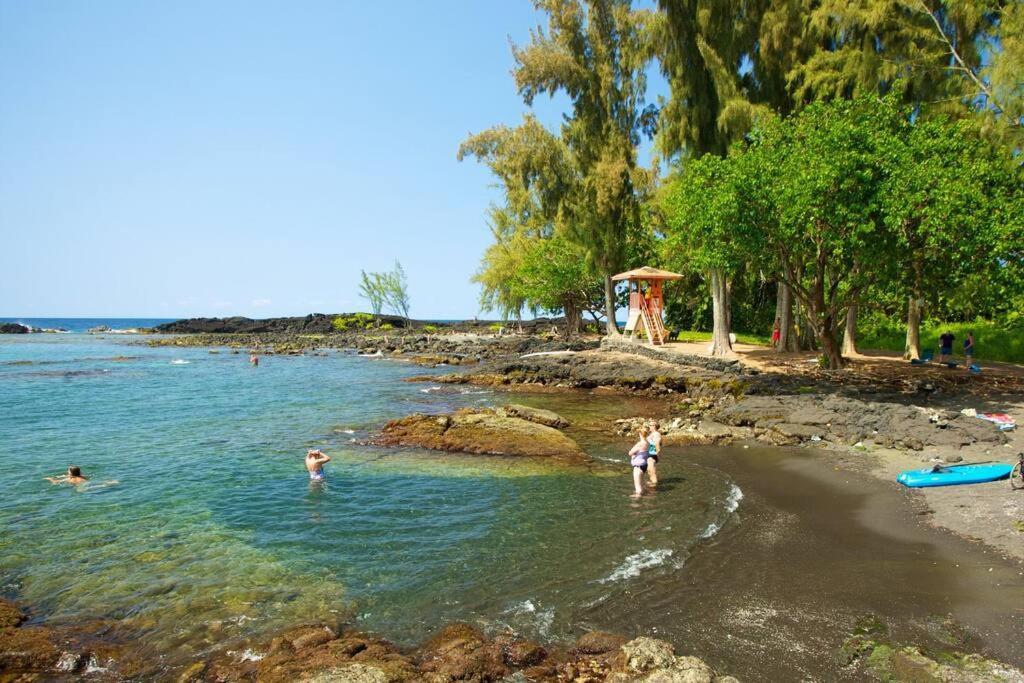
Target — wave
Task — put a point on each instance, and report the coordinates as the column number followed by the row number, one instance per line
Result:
column 634, row 564
column 710, row 531
column 178, row 361
column 430, row 390
column 540, row 619
column 733, row 500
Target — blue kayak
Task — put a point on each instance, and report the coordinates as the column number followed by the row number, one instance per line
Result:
column 951, row 475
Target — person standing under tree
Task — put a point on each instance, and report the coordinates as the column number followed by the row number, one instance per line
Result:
column 946, row 347
column 969, row 351
column 776, row 335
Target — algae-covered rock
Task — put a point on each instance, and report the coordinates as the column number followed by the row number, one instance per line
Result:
column 599, row 642
column 548, row 418
column 479, row 431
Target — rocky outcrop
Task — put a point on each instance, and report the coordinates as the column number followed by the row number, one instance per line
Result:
column 541, row 416
column 487, row 431
column 14, row 328
column 789, row 420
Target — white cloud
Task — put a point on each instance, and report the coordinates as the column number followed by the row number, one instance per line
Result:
column 261, row 303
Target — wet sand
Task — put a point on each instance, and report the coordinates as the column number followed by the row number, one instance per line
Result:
column 813, row 549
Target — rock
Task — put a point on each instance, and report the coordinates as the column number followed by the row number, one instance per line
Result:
column 353, row 673
column 27, row 650
column 599, row 642
column 10, row 615
column 548, row 418
column 69, row 662
column 523, row 653
column 317, row 636
column 461, row 652
column 645, row 654
column 479, row 431
column 14, row 328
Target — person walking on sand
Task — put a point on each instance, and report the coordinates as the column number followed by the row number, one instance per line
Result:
column 315, row 460
column 969, row 351
column 638, row 455
column 73, row 476
column 776, row 335
column 653, row 452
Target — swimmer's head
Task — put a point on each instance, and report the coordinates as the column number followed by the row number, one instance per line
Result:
column 74, row 471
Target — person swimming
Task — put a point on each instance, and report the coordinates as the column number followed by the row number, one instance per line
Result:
column 73, row 476
column 638, row 456
column 254, row 359
column 315, row 460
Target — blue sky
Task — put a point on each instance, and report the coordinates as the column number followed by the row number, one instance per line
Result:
column 247, row 158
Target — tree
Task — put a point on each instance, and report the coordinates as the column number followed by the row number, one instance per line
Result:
column 812, row 182
column 396, row 292
column 371, row 288
column 704, row 232
column 595, row 52
column 943, row 201
column 555, row 278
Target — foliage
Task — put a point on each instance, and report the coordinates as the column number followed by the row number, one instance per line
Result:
column 396, row 291
column 430, row 329
column 995, row 340
column 693, row 336
column 372, row 288
column 585, row 182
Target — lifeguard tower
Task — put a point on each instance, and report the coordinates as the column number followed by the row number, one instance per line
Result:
column 646, row 303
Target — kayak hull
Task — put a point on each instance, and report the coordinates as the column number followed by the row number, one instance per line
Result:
column 954, row 476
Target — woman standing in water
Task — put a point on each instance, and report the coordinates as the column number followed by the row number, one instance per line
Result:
column 653, row 452
column 638, row 459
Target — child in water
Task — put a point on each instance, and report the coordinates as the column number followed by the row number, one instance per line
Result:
column 638, row 455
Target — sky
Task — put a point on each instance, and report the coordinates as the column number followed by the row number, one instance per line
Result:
column 186, row 159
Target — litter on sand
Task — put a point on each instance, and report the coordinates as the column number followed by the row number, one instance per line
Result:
column 1003, row 421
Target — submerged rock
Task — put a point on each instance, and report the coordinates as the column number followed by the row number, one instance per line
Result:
column 486, row 431
column 548, row 418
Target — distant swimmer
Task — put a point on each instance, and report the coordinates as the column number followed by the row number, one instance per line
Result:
column 73, row 476
column 254, row 359
column 315, row 460
column 638, row 455
column 653, row 452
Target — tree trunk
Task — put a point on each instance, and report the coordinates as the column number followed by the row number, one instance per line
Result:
column 572, row 318
column 912, row 347
column 720, row 344
column 784, row 314
column 830, row 347
column 609, row 306
column 850, row 334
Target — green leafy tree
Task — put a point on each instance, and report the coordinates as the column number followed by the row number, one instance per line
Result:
column 704, row 232
column 813, row 183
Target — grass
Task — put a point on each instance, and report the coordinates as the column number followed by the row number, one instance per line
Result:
column 992, row 341
column 695, row 336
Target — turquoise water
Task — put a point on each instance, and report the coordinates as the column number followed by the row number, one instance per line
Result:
column 213, row 530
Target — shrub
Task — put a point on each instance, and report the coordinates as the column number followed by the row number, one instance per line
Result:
column 340, row 324
column 430, row 329
column 387, row 326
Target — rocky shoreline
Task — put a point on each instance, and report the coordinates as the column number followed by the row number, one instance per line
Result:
column 336, row 653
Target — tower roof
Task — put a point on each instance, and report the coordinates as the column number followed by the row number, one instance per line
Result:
column 647, row 273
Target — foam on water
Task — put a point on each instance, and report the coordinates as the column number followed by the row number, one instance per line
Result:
column 634, row 564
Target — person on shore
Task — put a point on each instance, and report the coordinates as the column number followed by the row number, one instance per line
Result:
column 653, row 452
column 946, row 347
column 638, row 456
column 73, row 476
column 315, row 460
column 969, row 351
column 255, row 360
column 776, row 335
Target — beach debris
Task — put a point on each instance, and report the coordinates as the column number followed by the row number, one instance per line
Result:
column 1003, row 421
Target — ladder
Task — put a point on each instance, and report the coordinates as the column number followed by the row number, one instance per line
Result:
column 653, row 326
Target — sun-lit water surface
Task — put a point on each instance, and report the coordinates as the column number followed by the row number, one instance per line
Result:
column 213, row 529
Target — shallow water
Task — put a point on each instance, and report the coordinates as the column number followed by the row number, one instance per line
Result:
column 213, row 529
column 757, row 559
